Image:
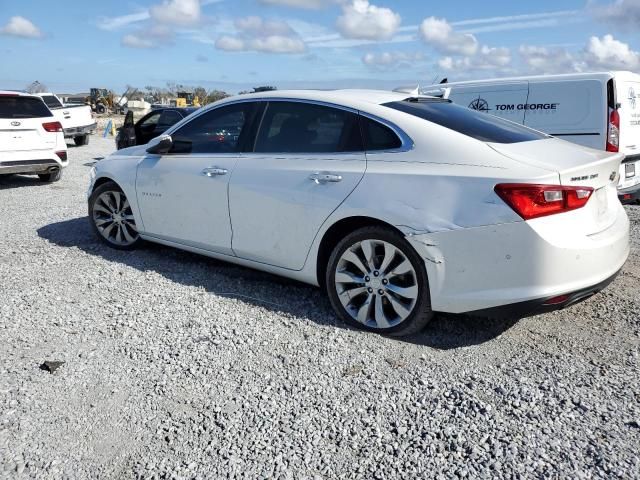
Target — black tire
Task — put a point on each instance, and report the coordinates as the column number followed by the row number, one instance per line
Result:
column 100, row 108
column 81, row 140
column 51, row 177
column 93, row 218
column 421, row 312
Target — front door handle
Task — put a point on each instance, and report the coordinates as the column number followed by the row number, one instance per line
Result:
column 325, row 177
column 214, row 171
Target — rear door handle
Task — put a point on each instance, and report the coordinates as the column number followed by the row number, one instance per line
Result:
column 214, row 171
column 325, row 177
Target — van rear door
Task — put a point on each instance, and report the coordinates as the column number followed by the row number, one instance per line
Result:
column 574, row 110
column 628, row 96
column 506, row 100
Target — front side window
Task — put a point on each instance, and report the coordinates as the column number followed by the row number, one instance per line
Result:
column 483, row 127
column 151, row 120
column 217, row 131
column 168, row 119
column 297, row 127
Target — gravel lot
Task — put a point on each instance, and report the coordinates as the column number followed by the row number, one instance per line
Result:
column 178, row 366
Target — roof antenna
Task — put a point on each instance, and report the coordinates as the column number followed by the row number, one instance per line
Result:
column 444, row 80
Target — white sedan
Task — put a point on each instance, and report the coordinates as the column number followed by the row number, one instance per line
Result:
column 398, row 206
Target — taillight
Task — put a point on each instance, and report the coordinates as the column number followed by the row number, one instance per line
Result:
column 613, row 132
column 52, row 126
column 62, row 155
column 533, row 201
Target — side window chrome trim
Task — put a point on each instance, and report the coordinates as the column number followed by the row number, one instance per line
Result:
column 406, row 141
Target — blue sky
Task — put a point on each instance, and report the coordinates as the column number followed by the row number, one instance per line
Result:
column 235, row 44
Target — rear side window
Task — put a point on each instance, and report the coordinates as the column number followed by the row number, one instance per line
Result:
column 377, row 136
column 483, row 127
column 51, row 101
column 217, row 131
column 296, row 127
column 23, row 107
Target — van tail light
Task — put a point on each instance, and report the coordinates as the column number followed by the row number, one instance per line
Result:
column 52, row 126
column 533, row 201
column 62, row 155
column 613, row 132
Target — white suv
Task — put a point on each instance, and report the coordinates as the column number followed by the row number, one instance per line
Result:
column 31, row 139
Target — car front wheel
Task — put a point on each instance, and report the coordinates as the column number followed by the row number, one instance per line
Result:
column 112, row 218
column 377, row 281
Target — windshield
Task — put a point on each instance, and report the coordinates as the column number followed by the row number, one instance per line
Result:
column 478, row 125
column 22, row 107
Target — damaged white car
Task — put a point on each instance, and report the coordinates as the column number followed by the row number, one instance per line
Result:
column 398, row 206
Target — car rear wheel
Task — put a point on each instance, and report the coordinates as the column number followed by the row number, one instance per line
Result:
column 112, row 218
column 51, row 176
column 81, row 140
column 377, row 281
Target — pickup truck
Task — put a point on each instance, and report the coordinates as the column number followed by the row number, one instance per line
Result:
column 76, row 120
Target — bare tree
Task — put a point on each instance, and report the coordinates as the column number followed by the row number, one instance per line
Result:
column 36, row 87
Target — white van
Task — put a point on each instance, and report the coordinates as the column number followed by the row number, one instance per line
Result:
column 597, row 110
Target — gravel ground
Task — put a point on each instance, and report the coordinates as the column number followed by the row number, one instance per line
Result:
column 178, row 366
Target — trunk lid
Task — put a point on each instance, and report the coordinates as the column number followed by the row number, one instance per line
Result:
column 23, row 135
column 576, row 166
column 21, row 119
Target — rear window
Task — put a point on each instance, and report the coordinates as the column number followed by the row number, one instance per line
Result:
column 478, row 125
column 51, row 101
column 23, row 107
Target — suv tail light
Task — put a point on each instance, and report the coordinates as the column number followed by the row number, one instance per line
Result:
column 533, row 201
column 52, row 126
column 613, row 132
column 62, row 155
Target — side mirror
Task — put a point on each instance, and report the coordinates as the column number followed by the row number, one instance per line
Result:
column 160, row 145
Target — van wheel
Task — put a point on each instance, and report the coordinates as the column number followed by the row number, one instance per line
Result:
column 51, row 176
column 81, row 140
column 376, row 281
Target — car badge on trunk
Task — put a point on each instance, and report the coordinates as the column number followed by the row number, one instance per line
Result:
column 16, row 124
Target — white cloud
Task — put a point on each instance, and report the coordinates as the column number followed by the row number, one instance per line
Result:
column 152, row 37
column 362, row 20
column 438, row 33
column 21, row 27
column 622, row 13
column 308, row 4
column 177, row 12
column 496, row 59
column 258, row 34
column 548, row 59
column 607, row 52
column 114, row 23
column 135, row 41
column 386, row 60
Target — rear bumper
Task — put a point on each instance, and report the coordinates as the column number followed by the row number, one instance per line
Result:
column 543, row 305
column 629, row 195
column 80, row 131
column 527, row 263
column 30, row 166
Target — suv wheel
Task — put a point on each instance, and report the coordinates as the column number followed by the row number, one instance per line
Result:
column 377, row 281
column 112, row 218
column 51, row 176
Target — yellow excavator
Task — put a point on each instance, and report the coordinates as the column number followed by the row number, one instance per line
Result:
column 187, row 99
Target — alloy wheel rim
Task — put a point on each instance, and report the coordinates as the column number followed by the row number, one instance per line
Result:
column 113, row 217
column 376, row 284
